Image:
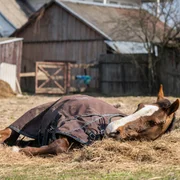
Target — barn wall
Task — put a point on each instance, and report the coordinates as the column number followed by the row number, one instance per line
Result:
column 80, row 52
column 56, row 24
column 12, row 53
column 59, row 36
column 123, row 74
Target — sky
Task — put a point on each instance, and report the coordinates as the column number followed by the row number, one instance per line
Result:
column 175, row 12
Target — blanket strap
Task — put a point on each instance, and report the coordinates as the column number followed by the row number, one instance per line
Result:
column 49, row 134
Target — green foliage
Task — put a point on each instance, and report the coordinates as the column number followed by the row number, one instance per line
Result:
column 36, row 173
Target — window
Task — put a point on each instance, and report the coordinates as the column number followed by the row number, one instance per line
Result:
column 98, row 1
column 113, row 2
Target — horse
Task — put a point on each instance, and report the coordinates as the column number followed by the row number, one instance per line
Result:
column 82, row 119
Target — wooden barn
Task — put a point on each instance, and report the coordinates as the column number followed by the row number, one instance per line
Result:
column 74, row 35
column 10, row 55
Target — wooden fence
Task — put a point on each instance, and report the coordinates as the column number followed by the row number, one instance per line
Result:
column 60, row 77
column 168, row 72
column 123, row 74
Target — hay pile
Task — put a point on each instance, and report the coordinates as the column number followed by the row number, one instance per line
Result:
column 123, row 155
column 5, row 90
column 159, row 157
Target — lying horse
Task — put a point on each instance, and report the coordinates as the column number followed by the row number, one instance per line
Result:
column 82, row 119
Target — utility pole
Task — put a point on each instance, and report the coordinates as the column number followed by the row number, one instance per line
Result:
column 158, row 7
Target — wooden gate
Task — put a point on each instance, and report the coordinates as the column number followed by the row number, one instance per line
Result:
column 52, row 77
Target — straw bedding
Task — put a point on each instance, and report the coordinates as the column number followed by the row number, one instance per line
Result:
column 102, row 156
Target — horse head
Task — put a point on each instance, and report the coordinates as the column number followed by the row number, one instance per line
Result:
column 148, row 122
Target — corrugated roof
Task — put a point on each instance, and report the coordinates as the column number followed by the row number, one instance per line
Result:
column 127, row 47
column 15, row 11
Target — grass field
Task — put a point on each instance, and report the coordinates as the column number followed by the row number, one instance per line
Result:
column 107, row 159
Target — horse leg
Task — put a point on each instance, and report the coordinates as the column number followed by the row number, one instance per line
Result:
column 8, row 136
column 58, row 146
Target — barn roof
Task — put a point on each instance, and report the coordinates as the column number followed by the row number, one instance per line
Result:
column 120, row 23
column 6, row 28
column 9, row 40
column 127, row 47
column 15, row 11
column 113, row 22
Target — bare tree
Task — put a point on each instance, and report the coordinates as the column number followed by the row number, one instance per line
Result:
column 156, row 25
column 158, row 28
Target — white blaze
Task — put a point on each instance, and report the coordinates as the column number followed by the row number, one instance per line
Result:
column 147, row 110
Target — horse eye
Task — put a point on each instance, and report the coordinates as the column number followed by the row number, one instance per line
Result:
column 141, row 105
column 152, row 123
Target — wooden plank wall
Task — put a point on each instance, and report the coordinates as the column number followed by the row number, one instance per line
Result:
column 12, row 53
column 168, row 71
column 73, row 70
column 59, row 36
column 56, row 24
column 121, row 75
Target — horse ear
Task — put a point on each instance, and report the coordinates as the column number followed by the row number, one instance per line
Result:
column 173, row 108
column 160, row 93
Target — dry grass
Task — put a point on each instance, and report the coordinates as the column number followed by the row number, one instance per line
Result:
column 107, row 159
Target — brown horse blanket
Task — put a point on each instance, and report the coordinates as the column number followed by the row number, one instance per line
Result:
column 80, row 117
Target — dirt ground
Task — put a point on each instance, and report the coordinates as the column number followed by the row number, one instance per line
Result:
column 107, row 159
